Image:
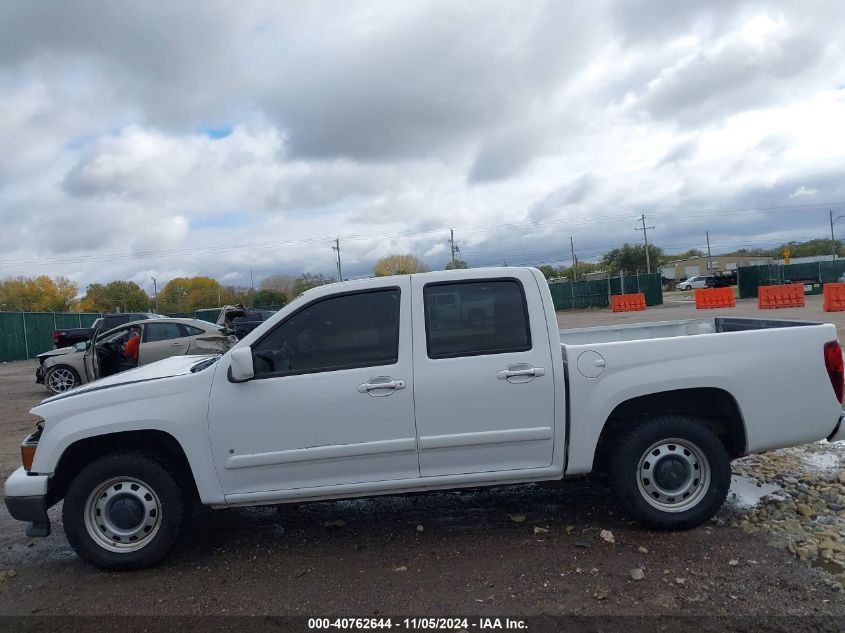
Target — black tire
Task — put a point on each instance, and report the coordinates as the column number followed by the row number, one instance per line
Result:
column 50, row 377
column 671, row 449
column 154, row 478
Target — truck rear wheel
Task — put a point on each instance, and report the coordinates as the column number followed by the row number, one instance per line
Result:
column 670, row 472
column 124, row 511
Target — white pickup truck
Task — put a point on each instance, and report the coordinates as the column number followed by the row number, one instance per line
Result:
column 355, row 389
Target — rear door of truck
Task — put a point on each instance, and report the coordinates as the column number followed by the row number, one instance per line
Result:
column 484, row 392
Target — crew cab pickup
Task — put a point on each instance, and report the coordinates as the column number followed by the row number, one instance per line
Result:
column 66, row 337
column 358, row 389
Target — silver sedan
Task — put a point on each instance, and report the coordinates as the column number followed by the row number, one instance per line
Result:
column 69, row 367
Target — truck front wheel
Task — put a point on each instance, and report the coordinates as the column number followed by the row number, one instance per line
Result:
column 671, row 472
column 124, row 511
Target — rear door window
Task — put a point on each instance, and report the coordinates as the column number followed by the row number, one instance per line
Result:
column 484, row 317
column 161, row 332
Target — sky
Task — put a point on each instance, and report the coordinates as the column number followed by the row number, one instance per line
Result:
column 162, row 139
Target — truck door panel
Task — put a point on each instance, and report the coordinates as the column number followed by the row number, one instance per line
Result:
column 483, row 389
column 332, row 400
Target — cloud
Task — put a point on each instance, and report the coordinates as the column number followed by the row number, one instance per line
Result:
column 679, row 153
column 156, row 139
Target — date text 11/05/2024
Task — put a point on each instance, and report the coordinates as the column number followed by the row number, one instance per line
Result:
column 424, row 623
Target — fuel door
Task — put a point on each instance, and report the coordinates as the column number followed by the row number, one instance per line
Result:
column 591, row 364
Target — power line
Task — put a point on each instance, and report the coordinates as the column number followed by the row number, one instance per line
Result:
column 576, row 221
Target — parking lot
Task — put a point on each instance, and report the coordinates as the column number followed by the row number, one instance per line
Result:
column 523, row 550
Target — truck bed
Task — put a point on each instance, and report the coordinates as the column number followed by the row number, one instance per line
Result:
column 670, row 329
column 762, row 364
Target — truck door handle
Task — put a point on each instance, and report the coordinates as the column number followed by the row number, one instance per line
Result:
column 381, row 383
column 520, row 370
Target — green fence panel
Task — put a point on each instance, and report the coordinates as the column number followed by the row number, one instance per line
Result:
column 39, row 332
column 12, row 340
column 752, row 277
column 87, row 318
column 594, row 294
column 25, row 334
column 67, row 320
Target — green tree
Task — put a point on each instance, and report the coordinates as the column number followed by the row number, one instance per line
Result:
column 630, row 258
column 270, row 298
column 399, row 265
column 38, row 294
column 186, row 294
column 278, row 283
column 690, row 254
column 458, row 264
column 126, row 296
column 306, row 281
column 811, row 248
column 549, row 272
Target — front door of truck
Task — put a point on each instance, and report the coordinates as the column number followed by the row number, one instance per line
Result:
column 483, row 389
column 331, row 402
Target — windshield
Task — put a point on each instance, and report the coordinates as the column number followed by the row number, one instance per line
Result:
column 108, row 338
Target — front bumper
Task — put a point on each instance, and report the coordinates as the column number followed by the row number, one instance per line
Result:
column 40, row 372
column 839, row 432
column 26, row 500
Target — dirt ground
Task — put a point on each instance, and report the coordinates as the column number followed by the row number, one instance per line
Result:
column 427, row 554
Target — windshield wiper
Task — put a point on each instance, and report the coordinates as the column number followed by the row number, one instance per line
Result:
column 204, row 364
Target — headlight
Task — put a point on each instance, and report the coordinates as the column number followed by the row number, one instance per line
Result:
column 29, row 445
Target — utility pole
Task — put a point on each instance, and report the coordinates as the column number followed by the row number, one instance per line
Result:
column 155, row 292
column 645, row 229
column 452, row 246
column 832, row 239
column 574, row 261
column 251, row 287
column 709, row 258
column 336, row 248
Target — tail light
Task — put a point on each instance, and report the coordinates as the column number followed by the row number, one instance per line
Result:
column 55, row 337
column 835, row 367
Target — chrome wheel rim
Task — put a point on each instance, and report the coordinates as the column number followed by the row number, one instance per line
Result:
column 61, row 380
column 122, row 514
column 673, row 475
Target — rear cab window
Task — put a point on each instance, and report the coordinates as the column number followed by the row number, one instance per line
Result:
column 475, row 317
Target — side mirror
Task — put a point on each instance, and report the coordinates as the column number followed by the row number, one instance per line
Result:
column 242, row 368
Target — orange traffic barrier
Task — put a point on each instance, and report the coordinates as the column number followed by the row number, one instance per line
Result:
column 714, row 298
column 627, row 303
column 786, row 296
column 834, row 297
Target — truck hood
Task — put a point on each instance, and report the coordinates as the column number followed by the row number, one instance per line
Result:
column 167, row 368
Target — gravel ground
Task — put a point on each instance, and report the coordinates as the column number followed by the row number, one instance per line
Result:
column 775, row 549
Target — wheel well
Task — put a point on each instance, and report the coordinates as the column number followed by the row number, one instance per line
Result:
column 61, row 365
column 81, row 453
column 715, row 408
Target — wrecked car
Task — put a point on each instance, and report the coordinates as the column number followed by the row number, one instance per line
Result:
column 69, row 367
